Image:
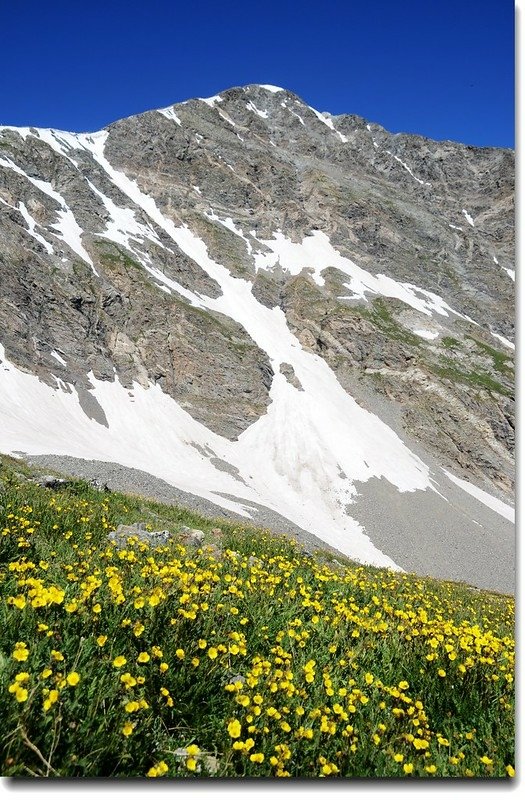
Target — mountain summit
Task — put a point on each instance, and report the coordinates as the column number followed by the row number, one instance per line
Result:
column 282, row 314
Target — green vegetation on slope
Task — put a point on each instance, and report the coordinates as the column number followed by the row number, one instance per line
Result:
column 244, row 657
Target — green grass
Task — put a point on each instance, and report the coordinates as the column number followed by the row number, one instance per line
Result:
column 451, row 371
column 500, row 359
column 253, row 659
column 450, row 343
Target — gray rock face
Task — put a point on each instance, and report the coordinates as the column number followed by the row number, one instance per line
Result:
column 191, row 537
column 107, row 299
column 138, row 530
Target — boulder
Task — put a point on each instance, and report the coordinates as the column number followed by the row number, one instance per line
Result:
column 138, row 529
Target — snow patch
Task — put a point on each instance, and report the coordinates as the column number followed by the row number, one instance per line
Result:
column 24, row 132
column 58, row 358
column 270, row 88
column 169, row 113
column 326, row 120
column 316, row 253
column 484, row 497
column 252, row 107
column 503, row 340
column 228, row 119
column 424, row 334
column 122, row 226
column 95, row 143
column 295, row 114
column 210, row 101
column 32, row 223
column 468, row 217
column 155, row 434
column 423, row 183
column 68, row 229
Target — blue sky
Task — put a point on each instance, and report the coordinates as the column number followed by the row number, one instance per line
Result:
column 441, row 68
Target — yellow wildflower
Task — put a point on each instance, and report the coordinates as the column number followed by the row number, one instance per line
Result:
column 234, row 729
column 20, row 653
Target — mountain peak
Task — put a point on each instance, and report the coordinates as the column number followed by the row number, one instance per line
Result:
column 293, row 316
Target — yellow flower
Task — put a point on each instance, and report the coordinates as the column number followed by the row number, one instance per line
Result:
column 431, row 769
column 51, row 699
column 73, row 678
column 22, row 677
column 57, row 655
column 127, row 729
column 510, row 771
column 257, row 758
column 179, row 652
column 408, row 769
column 212, row 653
column 97, row 608
column 158, row 770
column 163, row 667
column 119, row 661
column 101, row 640
column 329, row 769
column 20, row 653
column 191, row 764
column 143, row 658
column 128, row 680
column 486, row 760
column 131, row 706
column 193, row 750
column 399, row 757
column 21, row 694
column 234, row 729
column 46, row 673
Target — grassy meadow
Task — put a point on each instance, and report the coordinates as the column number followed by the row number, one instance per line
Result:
column 244, row 657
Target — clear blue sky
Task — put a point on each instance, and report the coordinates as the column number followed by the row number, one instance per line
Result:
column 442, row 68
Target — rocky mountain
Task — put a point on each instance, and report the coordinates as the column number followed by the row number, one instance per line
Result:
column 297, row 317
